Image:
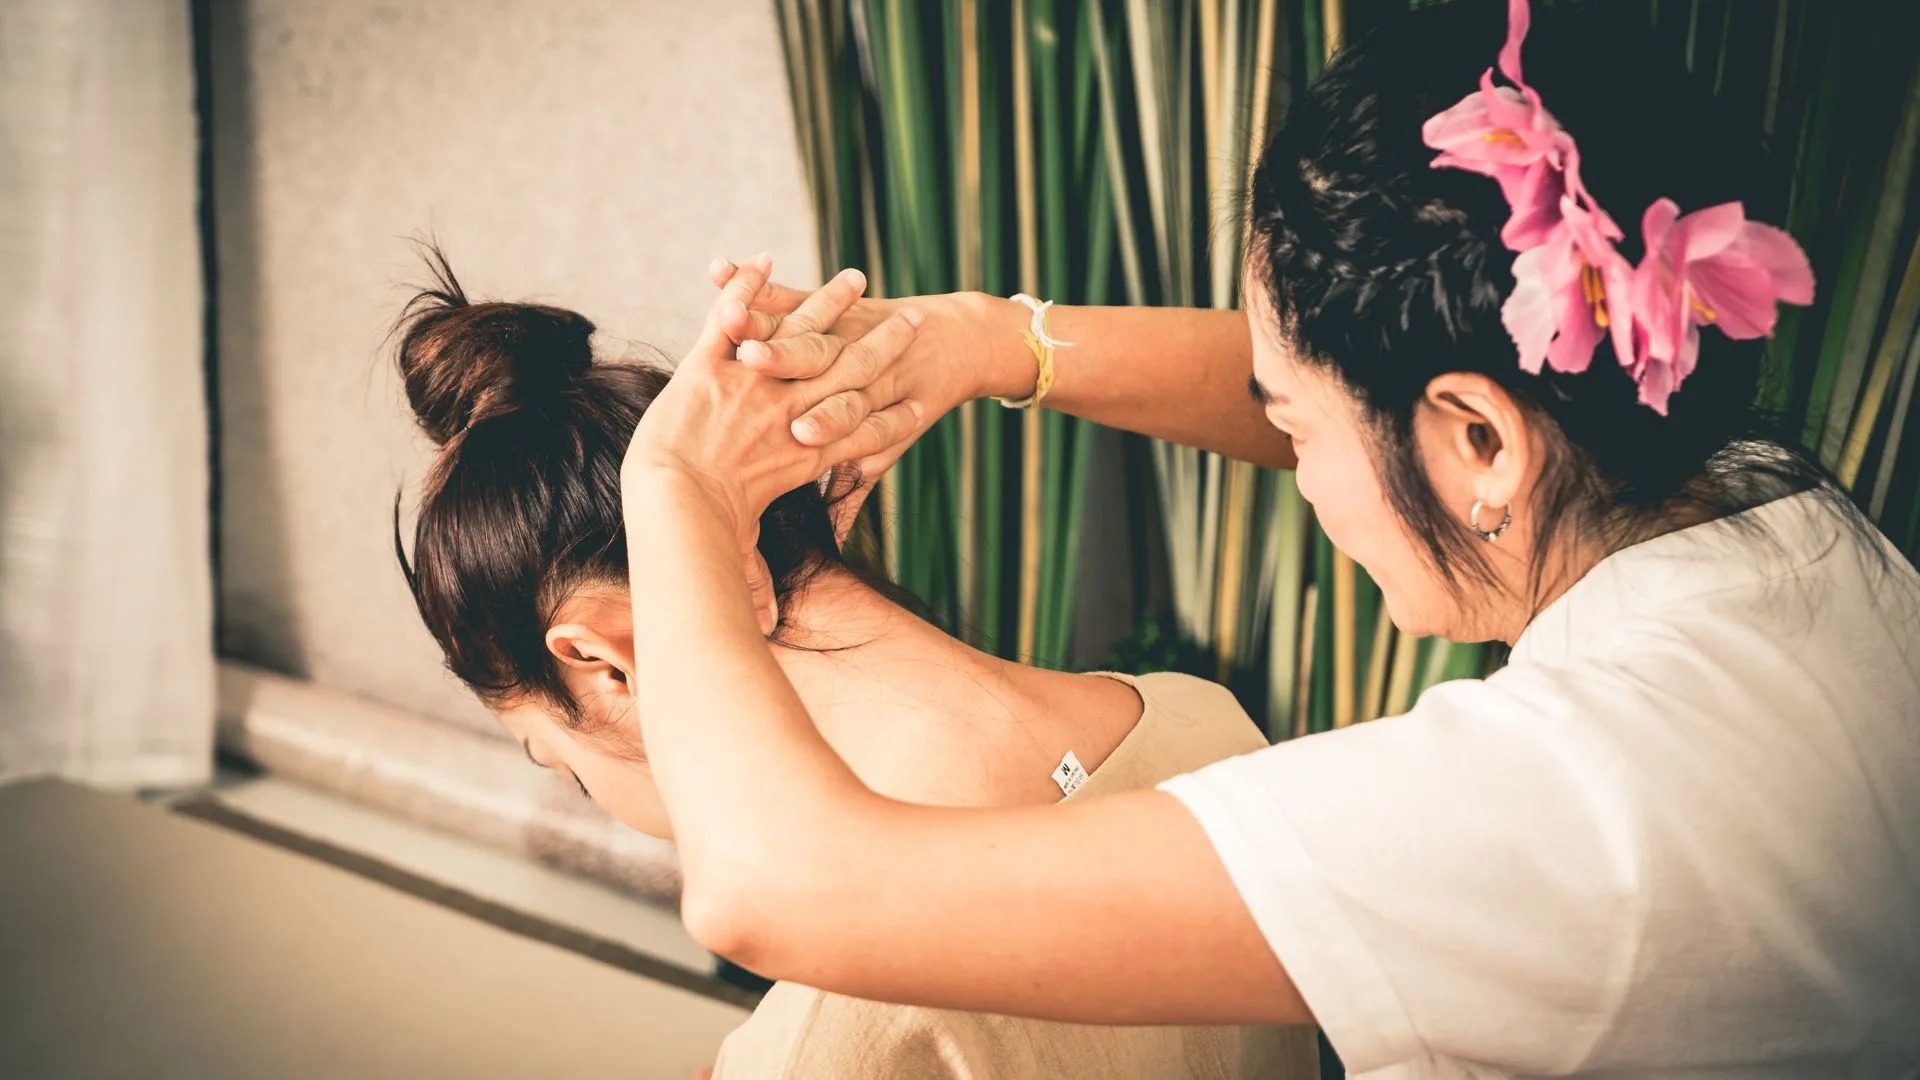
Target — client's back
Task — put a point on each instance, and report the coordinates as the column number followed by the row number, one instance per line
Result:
column 799, row 1033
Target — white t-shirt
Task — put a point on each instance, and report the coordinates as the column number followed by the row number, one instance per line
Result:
column 1678, row 836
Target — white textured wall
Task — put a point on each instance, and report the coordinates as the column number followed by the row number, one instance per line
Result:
column 594, row 153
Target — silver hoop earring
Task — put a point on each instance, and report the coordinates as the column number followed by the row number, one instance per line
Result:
column 1473, row 523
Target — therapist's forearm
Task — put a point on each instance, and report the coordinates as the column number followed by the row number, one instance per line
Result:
column 1114, row 910
column 1178, row 374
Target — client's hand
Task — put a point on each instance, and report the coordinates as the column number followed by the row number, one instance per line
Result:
column 969, row 347
column 730, row 431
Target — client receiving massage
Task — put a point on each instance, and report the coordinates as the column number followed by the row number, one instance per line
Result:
column 519, row 568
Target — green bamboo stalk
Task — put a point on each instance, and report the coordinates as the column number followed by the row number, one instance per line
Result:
column 1720, row 59
column 1693, row 30
column 968, row 234
column 1283, row 636
column 1180, row 225
column 1111, row 146
column 1464, row 662
column 1406, row 656
column 1876, row 269
column 1345, row 653
column 1263, row 60
column 1776, row 69
column 992, row 508
column 1144, row 35
column 1840, row 306
column 1236, row 517
column 1099, row 226
column 1902, row 410
column 1886, row 363
column 1804, row 205
column 1026, row 199
column 1309, row 634
column 1054, row 140
column 1313, row 42
column 1321, row 697
column 1439, row 660
column 1374, row 701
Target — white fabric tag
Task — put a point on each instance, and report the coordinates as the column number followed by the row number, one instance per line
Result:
column 1069, row 775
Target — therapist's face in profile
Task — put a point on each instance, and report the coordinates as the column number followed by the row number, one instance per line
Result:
column 1339, row 474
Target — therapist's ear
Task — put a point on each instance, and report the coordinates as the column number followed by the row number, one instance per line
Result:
column 1478, row 440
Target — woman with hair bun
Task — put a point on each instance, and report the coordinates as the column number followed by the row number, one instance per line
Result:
column 519, row 567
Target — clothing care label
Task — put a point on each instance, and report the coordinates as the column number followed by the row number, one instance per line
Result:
column 1069, row 775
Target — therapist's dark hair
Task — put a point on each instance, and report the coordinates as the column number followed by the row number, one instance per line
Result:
column 1388, row 272
column 522, row 503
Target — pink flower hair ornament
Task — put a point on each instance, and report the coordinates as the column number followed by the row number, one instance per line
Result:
column 1572, row 287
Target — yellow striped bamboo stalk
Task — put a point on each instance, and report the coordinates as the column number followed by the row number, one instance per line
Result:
column 1376, row 696
column 1893, row 344
column 967, row 243
column 1406, row 654
column 1025, row 200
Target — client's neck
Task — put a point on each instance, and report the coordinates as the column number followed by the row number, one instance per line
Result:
column 922, row 717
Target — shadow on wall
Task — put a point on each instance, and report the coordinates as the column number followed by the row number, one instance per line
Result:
column 26, row 443
column 252, row 622
column 29, row 385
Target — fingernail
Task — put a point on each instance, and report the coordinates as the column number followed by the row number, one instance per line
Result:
column 765, row 257
column 855, row 278
column 716, row 264
column 754, row 350
column 802, row 429
column 918, row 410
column 914, row 316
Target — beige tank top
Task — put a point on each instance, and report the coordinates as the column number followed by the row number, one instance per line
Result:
column 799, row 1033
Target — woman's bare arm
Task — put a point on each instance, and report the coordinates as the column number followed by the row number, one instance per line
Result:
column 1178, row 374
column 1114, row 910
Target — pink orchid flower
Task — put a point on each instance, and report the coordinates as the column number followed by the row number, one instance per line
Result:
column 1569, row 293
column 1712, row 266
column 1507, row 134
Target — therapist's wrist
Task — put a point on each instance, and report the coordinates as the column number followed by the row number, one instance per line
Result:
column 1003, row 365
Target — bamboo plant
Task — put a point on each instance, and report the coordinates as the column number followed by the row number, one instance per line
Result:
column 1097, row 151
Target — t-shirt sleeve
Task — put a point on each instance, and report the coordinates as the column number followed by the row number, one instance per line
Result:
column 1459, row 881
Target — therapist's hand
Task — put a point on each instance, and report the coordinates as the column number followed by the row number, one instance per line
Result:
column 729, row 430
column 970, row 347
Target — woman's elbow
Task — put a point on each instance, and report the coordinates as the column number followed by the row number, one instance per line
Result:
column 726, row 918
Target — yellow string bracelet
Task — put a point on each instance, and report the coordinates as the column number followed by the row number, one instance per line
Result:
column 1043, row 345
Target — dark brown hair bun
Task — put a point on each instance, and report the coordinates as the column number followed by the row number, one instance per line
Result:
column 463, row 362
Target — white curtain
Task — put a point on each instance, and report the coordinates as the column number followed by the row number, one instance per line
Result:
column 106, row 659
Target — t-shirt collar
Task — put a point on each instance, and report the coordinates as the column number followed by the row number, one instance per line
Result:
column 1676, row 567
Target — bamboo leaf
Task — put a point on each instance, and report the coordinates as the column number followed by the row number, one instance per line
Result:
column 1886, row 363
column 1876, row 267
column 1373, row 704
column 1902, row 411
column 1309, row 634
column 1776, row 69
column 1840, row 306
column 1344, row 629
column 1283, row 636
column 1406, row 654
